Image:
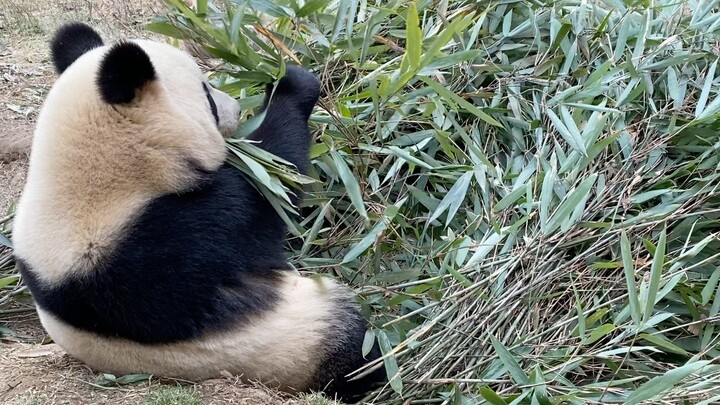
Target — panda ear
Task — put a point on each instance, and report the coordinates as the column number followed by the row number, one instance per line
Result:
column 125, row 69
column 70, row 42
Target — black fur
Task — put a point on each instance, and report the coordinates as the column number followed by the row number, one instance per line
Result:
column 213, row 106
column 124, row 69
column 293, row 100
column 344, row 355
column 70, row 42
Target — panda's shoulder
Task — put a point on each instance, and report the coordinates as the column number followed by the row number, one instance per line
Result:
column 215, row 248
column 225, row 193
column 224, row 213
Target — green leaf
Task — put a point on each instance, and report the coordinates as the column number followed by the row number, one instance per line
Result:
column 448, row 61
column 368, row 342
column 250, row 125
column 489, row 395
column 663, row 343
column 5, row 241
column 405, row 155
column 413, row 37
column 106, row 379
column 484, row 247
column 166, row 29
column 367, row 241
column 258, row 170
column 571, row 135
column 547, row 196
column 133, row 378
column 429, row 59
column 6, row 281
column 458, row 276
column 391, row 366
column 705, row 94
column 568, row 205
column 272, row 8
column 509, row 199
column 658, row 385
column 516, row 372
column 351, row 185
column 707, row 291
column 235, row 26
column 581, row 322
column 312, row 6
column 599, row 332
column 201, row 7
column 447, row 94
column 452, row 200
column 629, row 268
column 341, row 14
column 312, row 233
column 655, row 274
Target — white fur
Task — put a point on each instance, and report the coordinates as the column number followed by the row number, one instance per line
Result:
column 278, row 346
column 94, row 166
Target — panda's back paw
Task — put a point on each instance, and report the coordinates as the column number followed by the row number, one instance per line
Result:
column 300, row 86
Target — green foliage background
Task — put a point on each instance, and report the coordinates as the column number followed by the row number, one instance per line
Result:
column 524, row 193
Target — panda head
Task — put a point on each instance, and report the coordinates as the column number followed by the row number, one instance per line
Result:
column 139, row 92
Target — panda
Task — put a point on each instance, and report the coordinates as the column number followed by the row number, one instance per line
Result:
column 146, row 253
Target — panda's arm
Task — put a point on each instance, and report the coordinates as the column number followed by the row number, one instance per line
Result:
column 284, row 131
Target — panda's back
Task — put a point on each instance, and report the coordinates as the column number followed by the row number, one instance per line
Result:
column 199, row 261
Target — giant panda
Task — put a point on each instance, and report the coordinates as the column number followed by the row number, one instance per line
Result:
column 146, row 253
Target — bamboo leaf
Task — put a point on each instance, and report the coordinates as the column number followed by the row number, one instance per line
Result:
column 447, row 94
column 658, row 385
column 513, row 367
column 573, row 138
column 413, row 35
column 627, row 260
column 452, row 200
column 655, row 275
column 5, row 241
column 364, row 243
column 705, row 94
column 391, row 366
column 351, row 185
column 571, row 201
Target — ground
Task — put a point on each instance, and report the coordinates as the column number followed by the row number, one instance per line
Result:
column 35, row 371
column 41, row 373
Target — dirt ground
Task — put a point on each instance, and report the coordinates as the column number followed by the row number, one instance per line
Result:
column 44, row 374
column 33, row 371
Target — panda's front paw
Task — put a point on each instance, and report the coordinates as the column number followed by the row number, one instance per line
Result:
column 300, row 86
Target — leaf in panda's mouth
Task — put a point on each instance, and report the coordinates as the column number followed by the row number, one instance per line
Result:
column 269, row 174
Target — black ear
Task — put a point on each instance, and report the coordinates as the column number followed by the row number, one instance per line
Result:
column 70, row 42
column 124, row 69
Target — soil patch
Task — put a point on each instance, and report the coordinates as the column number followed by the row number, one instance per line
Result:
column 44, row 374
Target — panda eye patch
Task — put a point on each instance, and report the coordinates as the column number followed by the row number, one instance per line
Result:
column 213, row 107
